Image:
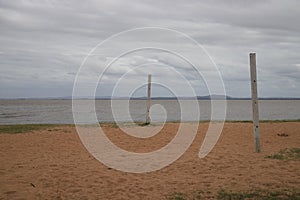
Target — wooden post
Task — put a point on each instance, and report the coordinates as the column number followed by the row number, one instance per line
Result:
column 254, row 101
column 148, row 100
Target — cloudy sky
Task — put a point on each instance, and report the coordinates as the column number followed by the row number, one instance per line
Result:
column 44, row 43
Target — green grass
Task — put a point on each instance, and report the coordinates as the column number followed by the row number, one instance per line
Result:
column 263, row 195
column 263, row 121
column 177, row 196
column 143, row 124
column 24, row 128
column 280, row 121
column 222, row 194
column 128, row 124
column 286, row 154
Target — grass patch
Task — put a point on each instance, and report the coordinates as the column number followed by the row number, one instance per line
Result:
column 129, row 124
column 263, row 121
column 224, row 195
column 276, row 156
column 280, row 121
column 263, row 195
column 177, row 196
column 109, row 124
column 24, row 128
column 286, row 154
column 143, row 124
column 292, row 194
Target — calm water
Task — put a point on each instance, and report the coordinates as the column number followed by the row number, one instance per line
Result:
column 60, row 111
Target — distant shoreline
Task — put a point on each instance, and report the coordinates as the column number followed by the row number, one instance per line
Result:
column 4, row 127
column 216, row 97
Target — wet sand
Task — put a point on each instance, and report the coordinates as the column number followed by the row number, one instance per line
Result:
column 53, row 164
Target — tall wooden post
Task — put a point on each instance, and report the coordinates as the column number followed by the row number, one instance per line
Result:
column 254, row 101
column 148, row 100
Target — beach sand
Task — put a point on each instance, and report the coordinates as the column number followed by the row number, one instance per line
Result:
column 53, row 164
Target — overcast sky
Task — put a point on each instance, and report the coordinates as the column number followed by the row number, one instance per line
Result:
column 43, row 43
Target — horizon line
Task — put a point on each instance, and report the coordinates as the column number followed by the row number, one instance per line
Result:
column 206, row 97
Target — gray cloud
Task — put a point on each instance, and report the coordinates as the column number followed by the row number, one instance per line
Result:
column 42, row 43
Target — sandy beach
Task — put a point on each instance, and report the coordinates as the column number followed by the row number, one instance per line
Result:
column 52, row 163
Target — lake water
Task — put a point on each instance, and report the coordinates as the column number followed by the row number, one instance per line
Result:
column 60, row 111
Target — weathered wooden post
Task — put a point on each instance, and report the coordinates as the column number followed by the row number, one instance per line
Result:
column 148, row 100
column 254, row 101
